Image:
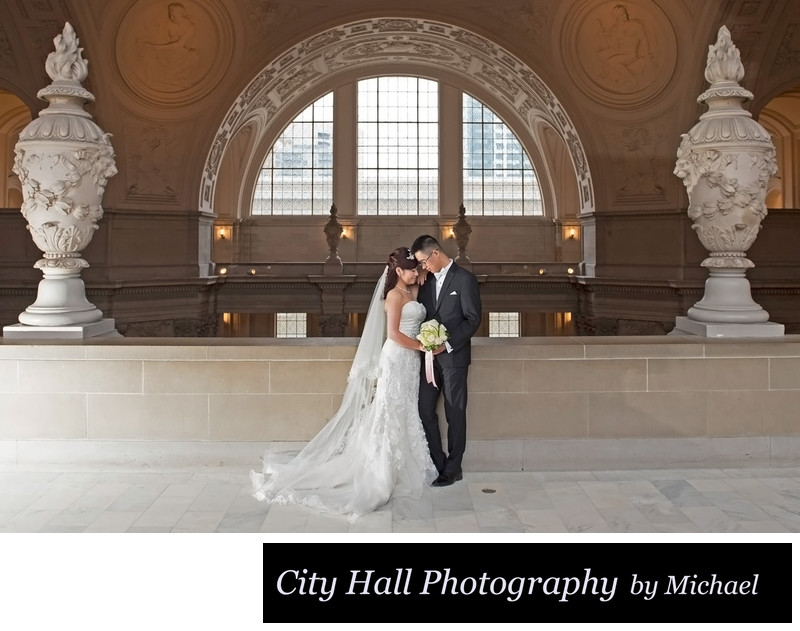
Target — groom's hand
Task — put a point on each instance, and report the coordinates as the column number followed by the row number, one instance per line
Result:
column 440, row 349
column 422, row 276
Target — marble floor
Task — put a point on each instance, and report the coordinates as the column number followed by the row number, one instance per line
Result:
column 636, row 501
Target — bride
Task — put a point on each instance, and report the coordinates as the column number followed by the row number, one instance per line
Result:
column 374, row 447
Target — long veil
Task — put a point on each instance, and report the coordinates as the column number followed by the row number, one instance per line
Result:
column 278, row 476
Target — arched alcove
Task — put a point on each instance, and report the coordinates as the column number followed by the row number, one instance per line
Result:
column 14, row 115
column 781, row 118
column 425, row 48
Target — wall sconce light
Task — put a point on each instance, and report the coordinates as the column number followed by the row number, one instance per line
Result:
column 542, row 271
column 221, row 233
column 346, row 232
column 449, row 232
column 571, row 233
column 252, row 271
column 223, row 271
column 570, row 270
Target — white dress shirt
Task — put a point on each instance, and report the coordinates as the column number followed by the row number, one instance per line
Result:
column 440, row 277
column 439, row 282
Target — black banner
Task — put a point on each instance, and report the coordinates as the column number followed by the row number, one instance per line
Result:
column 520, row 582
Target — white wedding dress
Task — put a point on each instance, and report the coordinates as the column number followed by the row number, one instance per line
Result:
column 374, row 448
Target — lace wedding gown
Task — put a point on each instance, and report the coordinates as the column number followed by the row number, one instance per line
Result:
column 373, row 449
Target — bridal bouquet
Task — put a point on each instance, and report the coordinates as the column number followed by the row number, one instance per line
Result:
column 432, row 334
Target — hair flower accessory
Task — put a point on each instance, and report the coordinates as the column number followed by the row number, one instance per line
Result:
column 410, row 256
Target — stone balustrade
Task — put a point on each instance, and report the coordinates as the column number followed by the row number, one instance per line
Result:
column 535, row 403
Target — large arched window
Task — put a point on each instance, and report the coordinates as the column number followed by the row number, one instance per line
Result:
column 297, row 175
column 497, row 175
column 397, row 127
column 398, row 146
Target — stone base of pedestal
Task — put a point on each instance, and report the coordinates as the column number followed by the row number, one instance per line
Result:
column 104, row 327
column 687, row 326
column 333, row 267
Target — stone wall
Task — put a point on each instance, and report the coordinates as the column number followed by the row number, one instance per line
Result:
column 535, row 403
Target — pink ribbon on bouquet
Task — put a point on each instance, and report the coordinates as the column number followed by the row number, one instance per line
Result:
column 429, row 368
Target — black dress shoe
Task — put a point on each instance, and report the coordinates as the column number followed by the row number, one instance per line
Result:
column 446, row 479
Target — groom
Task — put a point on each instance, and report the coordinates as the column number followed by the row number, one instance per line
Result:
column 450, row 295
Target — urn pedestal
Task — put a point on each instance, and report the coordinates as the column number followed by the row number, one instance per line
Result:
column 725, row 162
column 63, row 160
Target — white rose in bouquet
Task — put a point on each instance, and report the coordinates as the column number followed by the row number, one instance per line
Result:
column 433, row 334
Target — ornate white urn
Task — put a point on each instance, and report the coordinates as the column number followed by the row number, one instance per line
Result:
column 725, row 162
column 63, row 160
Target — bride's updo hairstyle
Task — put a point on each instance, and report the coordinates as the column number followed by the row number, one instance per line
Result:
column 400, row 258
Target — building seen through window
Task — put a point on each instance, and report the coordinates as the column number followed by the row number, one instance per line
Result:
column 297, row 175
column 396, row 128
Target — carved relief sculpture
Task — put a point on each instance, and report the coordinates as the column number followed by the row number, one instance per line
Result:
column 63, row 160
column 169, row 59
column 621, row 54
column 725, row 162
column 173, row 52
column 151, row 161
column 642, row 177
column 624, row 53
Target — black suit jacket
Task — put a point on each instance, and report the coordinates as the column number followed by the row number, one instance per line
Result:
column 458, row 308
